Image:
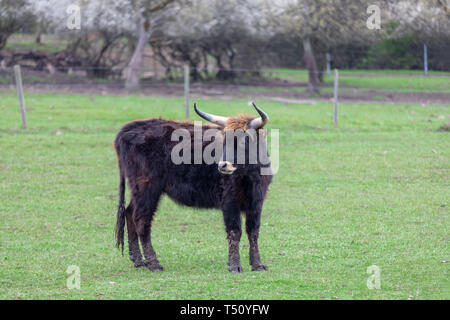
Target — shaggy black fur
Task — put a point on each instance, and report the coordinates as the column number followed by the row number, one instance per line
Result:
column 144, row 158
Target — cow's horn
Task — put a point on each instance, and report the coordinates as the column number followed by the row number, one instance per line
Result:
column 210, row 117
column 261, row 121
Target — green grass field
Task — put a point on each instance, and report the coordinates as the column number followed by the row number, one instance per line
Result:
column 375, row 191
column 387, row 80
column 50, row 43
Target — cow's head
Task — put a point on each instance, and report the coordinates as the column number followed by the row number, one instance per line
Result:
column 244, row 140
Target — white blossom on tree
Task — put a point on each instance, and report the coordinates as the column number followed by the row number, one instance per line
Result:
column 14, row 14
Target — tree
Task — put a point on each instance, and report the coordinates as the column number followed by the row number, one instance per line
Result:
column 14, row 14
column 319, row 24
column 427, row 22
column 105, row 27
column 147, row 10
column 223, row 31
column 424, row 18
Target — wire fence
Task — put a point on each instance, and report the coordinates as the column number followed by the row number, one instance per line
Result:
column 283, row 85
column 237, row 76
column 279, row 84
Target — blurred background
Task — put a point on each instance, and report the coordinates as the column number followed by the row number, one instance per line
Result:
column 285, row 48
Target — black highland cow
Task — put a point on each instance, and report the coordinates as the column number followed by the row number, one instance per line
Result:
column 144, row 149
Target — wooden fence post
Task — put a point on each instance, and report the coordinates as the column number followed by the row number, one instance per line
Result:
column 328, row 56
column 336, row 81
column 425, row 59
column 186, row 89
column 19, row 88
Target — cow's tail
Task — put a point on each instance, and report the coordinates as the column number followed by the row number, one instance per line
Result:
column 120, row 223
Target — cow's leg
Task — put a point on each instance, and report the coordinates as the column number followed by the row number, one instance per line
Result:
column 133, row 240
column 232, row 219
column 252, row 223
column 146, row 203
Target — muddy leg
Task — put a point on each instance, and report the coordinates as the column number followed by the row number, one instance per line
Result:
column 232, row 219
column 133, row 240
column 146, row 205
column 252, row 223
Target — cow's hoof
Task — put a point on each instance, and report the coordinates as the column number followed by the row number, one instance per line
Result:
column 235, row 268
column 153, row 266
column 139, row 263
column 259, row 267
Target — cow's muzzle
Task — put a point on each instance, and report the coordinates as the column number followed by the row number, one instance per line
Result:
column 226, row 167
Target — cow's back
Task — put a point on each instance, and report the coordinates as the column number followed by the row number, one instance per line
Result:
column 144, row 150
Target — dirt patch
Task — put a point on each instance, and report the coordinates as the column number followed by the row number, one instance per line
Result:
column 284, row 91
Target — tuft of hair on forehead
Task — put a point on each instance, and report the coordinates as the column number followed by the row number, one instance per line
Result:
column 240, row 122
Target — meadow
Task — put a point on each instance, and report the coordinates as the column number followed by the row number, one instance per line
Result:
column 386, row 80
column 374, row 191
